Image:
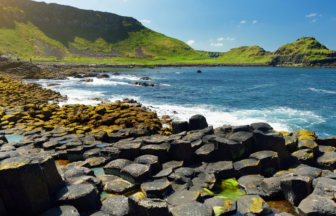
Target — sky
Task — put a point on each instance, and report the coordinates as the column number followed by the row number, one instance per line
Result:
column 220, row 25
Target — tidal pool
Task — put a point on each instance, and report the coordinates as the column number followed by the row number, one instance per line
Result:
column 98, row 171
column 14, row 138
column 282, row 206
column 61, row 163
column 229, row 189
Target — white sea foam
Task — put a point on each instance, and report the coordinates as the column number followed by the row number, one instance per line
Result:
column 164, row 85
column 322, row 90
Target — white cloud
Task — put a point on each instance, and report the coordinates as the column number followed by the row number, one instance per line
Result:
column 311, row 15
column 242, row 22
column 314, row 20
column 145, row 21
column 228, row 39
column 191, row 42
column 255, row 21
column 218, row 44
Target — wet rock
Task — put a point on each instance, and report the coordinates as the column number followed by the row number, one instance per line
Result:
column 75, row 154
column 180, row 126
column 77, row 172
column 129, row 151
column 253, row 205
column 118, row 186
column 222, row 207
column 103, row 76
column 51, row 175
column 86, row 80
column 308, row 144
column 205, row 153
column 109, row 153
column 185, row 171
column 295, row 188
column 163, row 173
column 151, row 161
column 271, row 186
column 271, row 142
column 229, row 149
column 65, row 210
column 172, row 164
column 245, row 138
column 91, row 153
column 96, row 161
column 83, row 197
column 135, row 173
column 160, row 188
column 269, row 162
column 79, row 76
column 247, row 167
column 108, row 178
column 197, row 122
column 305, row 156
column 308, row 171
column 143, row 84
column 264, row 127
column 147, row 207
column 183, row 196
column 86, row 180
column 327, row 161
column 23, row 186
column 291, row 143
column 196, row 145
column 245, row 128
column 116, row 205
column 192, row 209
column 223, row 169
column 251, row 183
column 316, row 205
column 180, row 151
column 115, row 166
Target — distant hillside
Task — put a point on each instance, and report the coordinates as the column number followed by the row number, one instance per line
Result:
column 211, row 54
column 29, row 28
column 245, row 54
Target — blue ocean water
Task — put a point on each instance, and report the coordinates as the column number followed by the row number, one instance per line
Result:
column 287, row 98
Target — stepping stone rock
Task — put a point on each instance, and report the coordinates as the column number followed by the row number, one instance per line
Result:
column 327, row 161
column 291, row 143
column 331, row 141
column 326, row 149
column 269, row 162
column 308, row 144
column 146, row 207
column 308, row 171
column 271, row 186
column 75, row 154
column 180, row 151
column 23, row 186
column 247, row 167
column 135, row 173
column 83, row 197
column 222, row 207
column 77, row 172
column 305, row 156
column 160, row 188
column 64, row 210
column 172, row 164
column 161, row 151
column 116, row 206
column 91, row 153
column 223, row 169
column 229, row 149
column 87, row 180
column 296, row 188
column 179, row 126
column 185, row 171
column 108, row 178
column 245, row 138
column 183, row 196
column 205, row 153
column 316, row 205
column 96, row 161
column 197, row 122
column 109, row 153
column 118, row 186
column 253, row 205
column 271, row 142
column 251, row 183
column 325, row 188
column 115, row 166
column 129, row 151
column 151, row 161
column 192, row 209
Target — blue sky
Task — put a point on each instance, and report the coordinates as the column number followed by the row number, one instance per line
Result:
column 219, row 25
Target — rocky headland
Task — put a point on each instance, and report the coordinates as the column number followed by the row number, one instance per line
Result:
column 117, row 159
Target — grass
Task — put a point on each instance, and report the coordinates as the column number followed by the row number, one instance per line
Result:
column 20, row 33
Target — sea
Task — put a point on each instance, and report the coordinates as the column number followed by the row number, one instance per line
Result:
column 286, row 98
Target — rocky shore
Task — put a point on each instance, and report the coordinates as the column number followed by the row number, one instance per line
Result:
column 117, row 159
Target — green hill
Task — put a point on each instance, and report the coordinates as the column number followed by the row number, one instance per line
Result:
column 51, row 31
column 245, row 54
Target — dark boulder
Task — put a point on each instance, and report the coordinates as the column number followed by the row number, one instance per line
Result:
column 183, row 196
column 264, row 127
column 118, row 186
column 327, row 161
column 192, row 209
column 161, row 151
column 253, row 205
column 116, row 206
column 180, row 151
column 296, row 188
column 197, row 122
column 317, row 205
column 269, row 162
column 229, row 149
column 247, row 167
column 206, row 153
column 135, row 173
column 244, row 128
column 251, row 183
column 103, row 76
column 151, row 161
column 160, row 188
column 272, row 187
column 180, row 126
column 146, row 78
column 223, row 169
column 79, row 76
column 115, row 166
column 246, row 139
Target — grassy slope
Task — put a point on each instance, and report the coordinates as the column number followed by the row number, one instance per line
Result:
column 245, row 54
